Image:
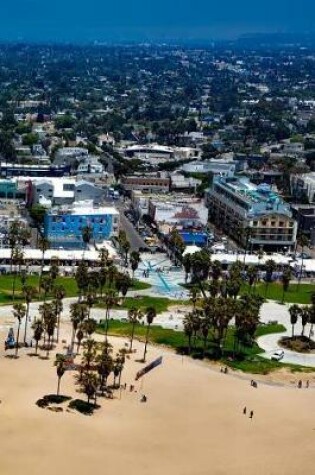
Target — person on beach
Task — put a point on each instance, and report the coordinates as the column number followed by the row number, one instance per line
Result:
column 244, row 410
column 251, row 414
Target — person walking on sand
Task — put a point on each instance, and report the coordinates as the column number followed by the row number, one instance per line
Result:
column 244, row 410
column 251, row 414
column 307, row 384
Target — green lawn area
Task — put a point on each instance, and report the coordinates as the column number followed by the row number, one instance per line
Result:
column 250, row 362
column 161, row 304
column 295, row 294
column 69, row 284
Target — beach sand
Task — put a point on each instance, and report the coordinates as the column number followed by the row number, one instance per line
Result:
column 192, row 423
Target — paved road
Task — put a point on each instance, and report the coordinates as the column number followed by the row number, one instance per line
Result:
column 135, row 239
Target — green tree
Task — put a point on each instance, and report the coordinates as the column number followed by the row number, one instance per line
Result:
column 134, row 317
column 29, row 295
column 295, row 312
column 19, row 312
column 150, row 314
column 38, row 328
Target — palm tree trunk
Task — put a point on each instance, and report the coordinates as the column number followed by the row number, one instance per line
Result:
column 26, row 320
column 36, row 347
column 58, row 386
column 48, row 347
column 146, row 342
column 132, row 335
column 292, row 331
column 58, row 327
column 17, row 340
column 13, row 286
column 311, row 331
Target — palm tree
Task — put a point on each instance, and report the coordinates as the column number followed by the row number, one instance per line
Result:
column 87, row 234
column 12, row 238
column 134, row 316
column 303, row 241
column 17, row 260
column 252, row 275
column 126, row 247
column 150, row 314
column 79, row 336
column 286, row 277
column 60, row 367
column 46, row 284
column 110, row 299
column 305, row 314
column 270, row 267
column 81, row 278
column 50, row 321
column 43, row 245
column 295, row 312
column 311, row 319
column 134, row 259
column 29, row 294
column 78, row 313
column 19, row 312
column 194, row 294
column 205, row 328
column 216, row 269
column 89, row 326
column 38, row 332
column 104, row 365
column 59, row 295
column 186, row 261
column 188, row 329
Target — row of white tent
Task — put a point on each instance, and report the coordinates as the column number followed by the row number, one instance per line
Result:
column 253, row 259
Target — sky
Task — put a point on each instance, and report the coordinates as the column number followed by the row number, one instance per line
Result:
column 120, row 20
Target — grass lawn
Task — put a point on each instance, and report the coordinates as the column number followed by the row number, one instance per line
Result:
column 295, row 294
column 161, row 304
column 251, row 362
column 69, row 284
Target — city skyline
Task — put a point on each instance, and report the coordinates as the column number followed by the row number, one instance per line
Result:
column 81, row 21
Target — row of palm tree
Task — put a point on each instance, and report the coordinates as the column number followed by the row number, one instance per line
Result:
column 137, row 315
column 210, row 320
column 306, row 314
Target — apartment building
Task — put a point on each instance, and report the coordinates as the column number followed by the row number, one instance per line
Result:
column 237, row 204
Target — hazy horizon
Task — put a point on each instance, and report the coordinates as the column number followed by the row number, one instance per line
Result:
column 147, row 20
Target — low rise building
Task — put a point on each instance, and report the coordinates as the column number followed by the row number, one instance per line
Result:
column 63, row 226
column 237, row 205
column 303, row 186
column 146, row 183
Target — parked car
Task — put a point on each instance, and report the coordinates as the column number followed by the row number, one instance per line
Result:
column 277, row 355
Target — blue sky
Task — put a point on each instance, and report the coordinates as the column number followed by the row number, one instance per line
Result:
column 147, row 19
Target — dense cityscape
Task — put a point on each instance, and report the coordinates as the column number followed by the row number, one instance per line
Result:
column 157, row 207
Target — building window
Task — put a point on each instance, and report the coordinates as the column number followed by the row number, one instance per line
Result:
column 264, row 222
column 273, row 223
column 281, row 223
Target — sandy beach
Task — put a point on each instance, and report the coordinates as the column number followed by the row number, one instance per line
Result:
column 192, row 423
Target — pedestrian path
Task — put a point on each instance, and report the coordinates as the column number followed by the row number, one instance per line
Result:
column 157, row 271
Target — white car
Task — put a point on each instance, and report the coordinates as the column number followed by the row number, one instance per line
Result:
column 277, row 355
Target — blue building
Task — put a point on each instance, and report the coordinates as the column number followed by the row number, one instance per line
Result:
column 63, row 226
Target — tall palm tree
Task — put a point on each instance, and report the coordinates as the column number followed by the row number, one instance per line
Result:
column 303, row 241
column 150, row 314
column 134, row 259
column 134, row 316
column 46, row 284
column 188, row 329
column 104, row 365
column 19, row 312
column 286, row 278
column 186, row 261
column 60, row 368
column 78, row 313
column 43, row 245
column 13, row 239
column 252, row 276
column 59, row 294
column 216, row 269
column 50, row 321
column 17, row 260
column 110, row 299
column 311, row 319
column 87, row 234
column 29, row 293
column 305, row 315
column 38, row 328
column 194, row 295
column 270, row 267
column 295, row 312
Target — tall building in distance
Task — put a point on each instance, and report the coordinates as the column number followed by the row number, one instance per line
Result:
column 251, row 213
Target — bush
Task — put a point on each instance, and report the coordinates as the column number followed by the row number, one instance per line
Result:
column 301, row 344
column 83, row 407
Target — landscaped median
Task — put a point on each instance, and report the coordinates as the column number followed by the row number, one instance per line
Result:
column 246, row 360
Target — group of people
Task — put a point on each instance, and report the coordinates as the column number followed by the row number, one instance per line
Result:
column 300, row 384
column 251, row 413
